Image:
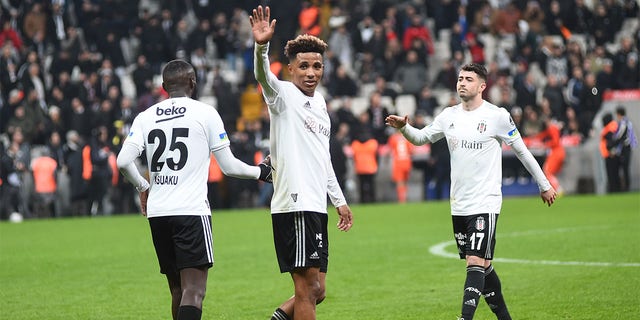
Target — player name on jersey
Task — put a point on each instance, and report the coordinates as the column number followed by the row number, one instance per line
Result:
column 168, row 180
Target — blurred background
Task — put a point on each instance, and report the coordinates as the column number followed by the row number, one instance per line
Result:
column 75, row 73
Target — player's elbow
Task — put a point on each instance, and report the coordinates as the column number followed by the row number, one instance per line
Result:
column 121, row 163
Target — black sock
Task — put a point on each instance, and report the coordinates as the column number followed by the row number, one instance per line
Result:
column 189, row 313
column 493, row 294
column 279, row 314
column 473, row 287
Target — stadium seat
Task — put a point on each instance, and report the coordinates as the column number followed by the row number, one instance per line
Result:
column 405, row 105
column 359, row 105
column 387, row 101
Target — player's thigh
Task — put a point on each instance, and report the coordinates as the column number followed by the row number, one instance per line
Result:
column 301, row 240
column 182, row 242
column 475, row 234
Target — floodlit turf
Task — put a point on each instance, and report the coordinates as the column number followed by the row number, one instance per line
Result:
column 576, row 260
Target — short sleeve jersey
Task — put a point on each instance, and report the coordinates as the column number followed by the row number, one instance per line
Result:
column 300, row 130
column 475, row 144
column 178, row 135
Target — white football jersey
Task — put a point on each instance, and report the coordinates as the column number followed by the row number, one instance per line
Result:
column 300, row 129
column 475, row 143
column 178, row 135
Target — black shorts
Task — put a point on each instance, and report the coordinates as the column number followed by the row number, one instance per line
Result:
column 301, row 240
column 476, row 234
column 182, row 242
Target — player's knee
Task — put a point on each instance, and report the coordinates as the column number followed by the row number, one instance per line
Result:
column 194, row 294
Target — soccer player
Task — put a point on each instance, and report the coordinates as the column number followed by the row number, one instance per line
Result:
column 474, row 130
column 303, row 174
column 178, row 135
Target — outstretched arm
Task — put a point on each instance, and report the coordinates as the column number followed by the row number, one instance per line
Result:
column 262, row 33
column 414, row 135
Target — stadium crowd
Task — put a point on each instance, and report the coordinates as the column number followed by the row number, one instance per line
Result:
column 74, row 74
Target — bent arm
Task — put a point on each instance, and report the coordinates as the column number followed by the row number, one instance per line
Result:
column 127, row 167
column 529, row 162
column 231, row 166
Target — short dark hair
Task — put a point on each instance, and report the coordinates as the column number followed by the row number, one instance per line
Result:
column 304, row 43
column 621, row 111
column 477, row 68
column 176, row 68
column 177, row 74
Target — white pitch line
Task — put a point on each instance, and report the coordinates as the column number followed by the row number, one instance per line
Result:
column 440, row 250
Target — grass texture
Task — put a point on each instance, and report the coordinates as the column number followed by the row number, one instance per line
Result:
column 579, row 259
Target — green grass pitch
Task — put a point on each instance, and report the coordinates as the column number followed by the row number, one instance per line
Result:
column 579, row 259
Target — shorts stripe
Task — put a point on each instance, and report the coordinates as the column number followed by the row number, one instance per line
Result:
column 300, row 240
column 208, row 238
column 491, row 234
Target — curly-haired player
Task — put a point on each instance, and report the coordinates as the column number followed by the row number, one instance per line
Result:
column 303, row 174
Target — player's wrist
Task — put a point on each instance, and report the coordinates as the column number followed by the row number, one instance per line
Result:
column 144, row 186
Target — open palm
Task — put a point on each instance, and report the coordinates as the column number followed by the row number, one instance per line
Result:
column 260, row 26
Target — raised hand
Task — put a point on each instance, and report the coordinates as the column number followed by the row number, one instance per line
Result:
column 260, row 26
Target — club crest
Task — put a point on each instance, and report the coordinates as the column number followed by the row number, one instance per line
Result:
column 480, row 224
column 482, row 126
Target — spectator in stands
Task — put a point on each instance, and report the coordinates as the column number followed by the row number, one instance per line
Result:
column 552, row 92
column 35, row 22
column 309, row 19
column 590, row 103
column 526, row 90
column 502, row 92
column 80, row 119
column 475, row 47
column 574, row 89
column 456, row 40
column 555, row 62
column 384, row 89
column 346, row 116
column 111, row 49
column 342, row 84
column 531, row 122
column 603, row 28
column 10, row 35
column 377, row 44
column 142, row 76
column 341, row 44
column 581, row 20
column 417, row 30
column 628, row 77
column 426, row 103
column 411, row 75
column 154, row 44
column 605, row 78
column 368, row 68
column 447, row 75
column 377, row 112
